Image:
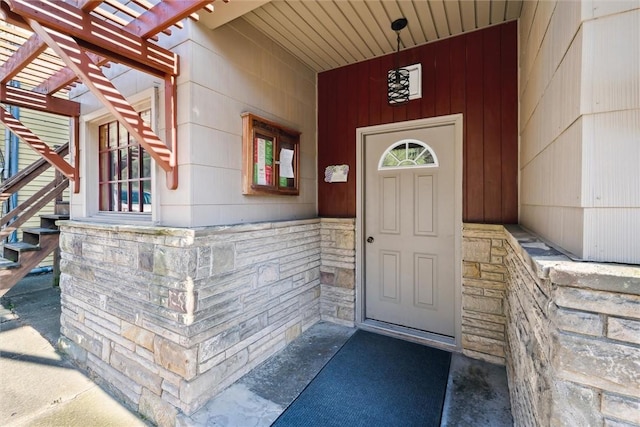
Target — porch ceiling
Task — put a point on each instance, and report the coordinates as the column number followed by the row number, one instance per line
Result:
column 327, row 34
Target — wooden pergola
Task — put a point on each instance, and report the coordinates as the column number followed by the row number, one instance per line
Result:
column 48, row 45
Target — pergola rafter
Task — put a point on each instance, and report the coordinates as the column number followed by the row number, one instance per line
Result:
column 86, row 37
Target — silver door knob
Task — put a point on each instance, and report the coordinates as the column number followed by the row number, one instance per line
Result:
column 370, row 239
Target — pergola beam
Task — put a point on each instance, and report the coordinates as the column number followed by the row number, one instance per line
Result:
column 98, row 36
column 163, row 15
column 144, row 26
column 22, row 132
column 21, row 58
column 73, row 55
column 36, row 101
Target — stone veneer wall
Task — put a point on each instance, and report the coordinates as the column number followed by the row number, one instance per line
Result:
column 569, row 332
column 573, row 343
column 337, row 270
column 483, row 292
column 167, row 317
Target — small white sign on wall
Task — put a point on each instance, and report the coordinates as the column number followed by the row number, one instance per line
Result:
column 336, row 173
column 415, row 80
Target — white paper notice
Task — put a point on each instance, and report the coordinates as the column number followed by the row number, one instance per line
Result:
column 286, row 163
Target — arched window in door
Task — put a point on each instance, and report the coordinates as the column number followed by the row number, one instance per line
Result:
column 408, row 153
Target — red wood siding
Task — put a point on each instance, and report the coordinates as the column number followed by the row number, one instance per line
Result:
column 474, row 74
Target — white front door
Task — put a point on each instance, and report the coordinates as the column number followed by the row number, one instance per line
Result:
column 410, row 228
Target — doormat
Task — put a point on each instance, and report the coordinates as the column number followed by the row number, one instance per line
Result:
column 374, row 380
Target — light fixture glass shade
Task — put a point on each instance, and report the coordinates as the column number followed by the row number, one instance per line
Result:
column 398, row 86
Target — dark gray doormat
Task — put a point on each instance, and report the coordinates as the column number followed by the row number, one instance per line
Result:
column 374, row 380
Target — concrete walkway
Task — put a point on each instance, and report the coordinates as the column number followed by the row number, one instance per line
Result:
column 38, row 387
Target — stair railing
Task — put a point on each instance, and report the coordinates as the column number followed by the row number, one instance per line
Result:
column 30, row 207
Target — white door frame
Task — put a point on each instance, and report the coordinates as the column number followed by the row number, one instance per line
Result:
column 361, row 134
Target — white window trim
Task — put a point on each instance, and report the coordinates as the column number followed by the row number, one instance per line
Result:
column 424, row 145
column 89, row 168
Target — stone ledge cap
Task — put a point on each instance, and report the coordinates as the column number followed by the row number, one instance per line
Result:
column 605, row 277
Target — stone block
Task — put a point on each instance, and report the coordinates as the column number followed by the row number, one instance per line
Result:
column 483, row 324
column 120, row 257
column 327, row 278
column 486, row 284
column 621, row 407
column 482, row 304
column 574, row 405
column 82, row 338
column 138, row 335
column 218, row 343
column 293, row 332
column 153, row 407
column 498, row 251
column 344, row 239
column 623, row 330
column 346, row 313
column 196, row 392
column 598, row 301
column 471, row 270
column 123, row 387
column 481, row 332
column 476, row 250
column 578, row 321
column 268, row 273
column 494, row 293
column 483, row 345
column 174, row 262
column 182, row 301
column 145, row 257
column 605, row 277
column 345, row 278
column 472, row 290
column 605, row 365
column 136, row 372
column 223, row 258
column 485, row 357
column 175, row 358
column 76, row 352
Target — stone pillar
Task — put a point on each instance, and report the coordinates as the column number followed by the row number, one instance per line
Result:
column 483, row 292
column 337, row 270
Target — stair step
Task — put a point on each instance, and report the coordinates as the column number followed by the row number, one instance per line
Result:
column 49, row 220
column 40, row 231
column 54, row 216
column 7, row 263
column 32, row 236
column 21, row 247
column 62, row 208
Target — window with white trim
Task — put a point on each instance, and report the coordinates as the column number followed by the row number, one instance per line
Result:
column 408, row 153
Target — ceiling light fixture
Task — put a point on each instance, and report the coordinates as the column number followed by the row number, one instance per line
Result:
column 398, row 78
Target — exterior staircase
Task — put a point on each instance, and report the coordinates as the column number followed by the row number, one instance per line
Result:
column 19, row 258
